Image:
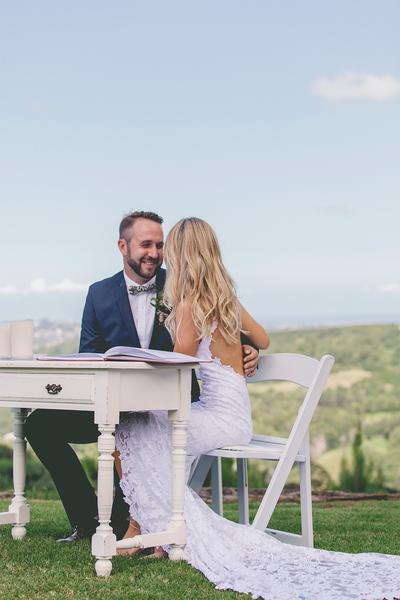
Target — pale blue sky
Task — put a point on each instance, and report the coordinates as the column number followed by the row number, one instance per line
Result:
column 214, row 109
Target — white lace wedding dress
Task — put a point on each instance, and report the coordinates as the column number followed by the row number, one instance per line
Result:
column 233, row 556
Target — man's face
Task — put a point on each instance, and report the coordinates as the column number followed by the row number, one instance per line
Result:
column 143, row 252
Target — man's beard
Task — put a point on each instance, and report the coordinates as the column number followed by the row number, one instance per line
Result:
column 136, row 268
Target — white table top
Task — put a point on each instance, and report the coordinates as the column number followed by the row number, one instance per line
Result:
column 89, row 364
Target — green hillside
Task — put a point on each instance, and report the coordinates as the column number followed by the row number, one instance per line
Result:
column 364, row 387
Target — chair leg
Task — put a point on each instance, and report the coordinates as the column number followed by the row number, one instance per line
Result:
column 243, row 490
column 306, row 498
column 272, row 494
column 200, row 472
column 216, row 486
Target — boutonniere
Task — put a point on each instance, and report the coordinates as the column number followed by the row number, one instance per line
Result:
column 162, row 308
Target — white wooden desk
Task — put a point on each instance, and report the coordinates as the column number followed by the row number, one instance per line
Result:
column 105, row 388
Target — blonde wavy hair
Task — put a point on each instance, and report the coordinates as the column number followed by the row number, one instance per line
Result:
column 196, row 273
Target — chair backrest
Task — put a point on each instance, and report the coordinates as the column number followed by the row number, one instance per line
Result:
column 296, row 368
column 303, row 370
column 312, row 374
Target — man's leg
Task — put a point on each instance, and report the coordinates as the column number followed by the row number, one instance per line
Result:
column 50, row 433
column 120, row 510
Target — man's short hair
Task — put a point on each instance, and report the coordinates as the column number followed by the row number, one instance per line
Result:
column 129, row 220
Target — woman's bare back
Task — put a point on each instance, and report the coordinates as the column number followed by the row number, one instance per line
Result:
column 229, row 354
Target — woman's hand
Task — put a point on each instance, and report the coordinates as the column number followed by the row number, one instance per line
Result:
column 250, row 360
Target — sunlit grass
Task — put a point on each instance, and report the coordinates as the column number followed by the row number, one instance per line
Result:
column 37, row 568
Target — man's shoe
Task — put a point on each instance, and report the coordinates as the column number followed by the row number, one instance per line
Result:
column 77, row 535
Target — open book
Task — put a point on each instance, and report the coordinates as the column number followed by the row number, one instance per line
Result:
column 128, row 353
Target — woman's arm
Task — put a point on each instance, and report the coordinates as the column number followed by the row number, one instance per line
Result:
column 254, row 331
column 186, row 333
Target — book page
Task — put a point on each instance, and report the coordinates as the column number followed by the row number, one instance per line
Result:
column 128, row 353
column 146, row 354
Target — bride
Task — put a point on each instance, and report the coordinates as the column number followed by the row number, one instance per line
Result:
column 205, row 321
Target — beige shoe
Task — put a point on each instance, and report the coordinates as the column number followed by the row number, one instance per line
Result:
column 132, row 531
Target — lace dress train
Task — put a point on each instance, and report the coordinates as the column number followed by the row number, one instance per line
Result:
column 234, row 556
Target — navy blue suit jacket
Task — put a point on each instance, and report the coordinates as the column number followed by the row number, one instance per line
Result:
column 107, row 320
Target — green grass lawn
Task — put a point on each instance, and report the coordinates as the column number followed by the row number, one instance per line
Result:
column 38, row 568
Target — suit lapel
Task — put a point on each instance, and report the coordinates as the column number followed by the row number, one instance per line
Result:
column 126, row 313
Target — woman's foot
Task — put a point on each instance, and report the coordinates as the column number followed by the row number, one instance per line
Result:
column 132, row 531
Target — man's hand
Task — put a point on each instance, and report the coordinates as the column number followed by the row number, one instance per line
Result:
column 250, row 360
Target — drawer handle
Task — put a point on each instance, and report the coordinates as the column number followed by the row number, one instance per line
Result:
column 53, row 388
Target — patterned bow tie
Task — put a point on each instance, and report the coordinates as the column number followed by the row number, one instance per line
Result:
column 140, row 289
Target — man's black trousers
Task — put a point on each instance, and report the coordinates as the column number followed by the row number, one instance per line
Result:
column 50, row 433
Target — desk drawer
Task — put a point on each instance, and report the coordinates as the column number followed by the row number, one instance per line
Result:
column 68, row 388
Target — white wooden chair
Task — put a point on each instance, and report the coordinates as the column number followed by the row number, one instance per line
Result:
column 310, row 374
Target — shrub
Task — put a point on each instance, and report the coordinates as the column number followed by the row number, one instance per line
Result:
column 361, row 476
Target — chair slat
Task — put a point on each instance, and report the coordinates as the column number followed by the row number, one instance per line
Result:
column 295, row 368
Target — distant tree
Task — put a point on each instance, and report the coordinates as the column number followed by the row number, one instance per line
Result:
column 361, row 476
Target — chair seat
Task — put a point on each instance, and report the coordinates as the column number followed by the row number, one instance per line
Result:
column 265, row 450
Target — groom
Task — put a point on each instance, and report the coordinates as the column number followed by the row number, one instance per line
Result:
column 119, row 311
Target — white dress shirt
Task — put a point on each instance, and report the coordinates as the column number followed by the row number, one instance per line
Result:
column 143, row 312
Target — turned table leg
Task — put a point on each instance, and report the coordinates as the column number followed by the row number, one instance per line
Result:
column 104, row 540
column 19, row 505
column 179, row 419
column 177, row 521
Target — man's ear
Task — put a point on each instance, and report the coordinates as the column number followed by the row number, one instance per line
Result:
column 123, row 247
